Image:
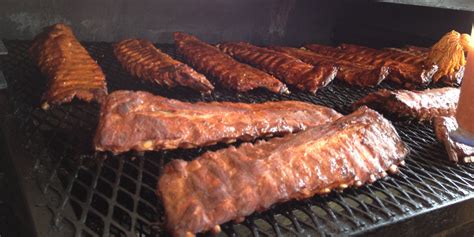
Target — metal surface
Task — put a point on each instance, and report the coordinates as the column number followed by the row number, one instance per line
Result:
column 71, row 190
column 276, row 21
column 3, row 82
column 464, row 5
column 3, row 49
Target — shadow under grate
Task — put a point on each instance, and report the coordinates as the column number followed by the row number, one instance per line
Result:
column 101, row 194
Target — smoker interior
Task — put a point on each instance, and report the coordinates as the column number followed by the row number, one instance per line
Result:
column 84, row 193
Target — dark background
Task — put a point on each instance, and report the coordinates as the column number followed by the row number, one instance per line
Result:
column 290, row 22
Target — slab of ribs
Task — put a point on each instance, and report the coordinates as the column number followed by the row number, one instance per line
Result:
column 406, row 74
column 70, row 69
column 143, row 60
column 232, row 183
column 229, row 72
column 141, row 121
column 457, row 151
column 419, row 105
column 287, row 68
column 353, row 73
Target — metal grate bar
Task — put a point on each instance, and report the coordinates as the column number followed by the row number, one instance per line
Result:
column 115, row 195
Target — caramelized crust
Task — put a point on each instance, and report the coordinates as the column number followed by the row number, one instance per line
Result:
column 142, row 59
column 68, row 66
column 352, row 73
column 386, row 54
column 420, row 105
column 232, row 183
column 405, row 74
column 285, row 67
column 230, row 73
column 141, row 121
column 457, row 152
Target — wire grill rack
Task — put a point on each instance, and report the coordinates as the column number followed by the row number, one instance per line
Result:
column 98, row 194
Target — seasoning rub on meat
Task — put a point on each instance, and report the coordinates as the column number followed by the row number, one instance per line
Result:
column 283, row 66
column 70, row 69
column 141, row 121
column 420, row 105
column 232, row 183
column 230, row 73
column 142, row 59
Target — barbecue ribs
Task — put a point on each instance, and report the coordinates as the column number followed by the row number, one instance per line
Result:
column 141, row 121
column 69, row 67
column 421, row 105
column 283, row 66
column 232, row 183
column 230, row 73
column 142, row 59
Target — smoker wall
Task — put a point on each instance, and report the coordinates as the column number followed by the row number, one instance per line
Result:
column 258, row 21
column 290, row 22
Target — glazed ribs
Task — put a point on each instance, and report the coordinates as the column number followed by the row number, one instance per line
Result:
column 141, row 121
column 70, row 69
column 230, row 73
column 386, row 54
column 283, row 66
column 407, row 75
column 232, row 183
column 352, row 73
column 142, row 59
column 457, row 151
column 420, row 105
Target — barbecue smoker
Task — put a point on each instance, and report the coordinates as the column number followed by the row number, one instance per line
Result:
column 59, row 186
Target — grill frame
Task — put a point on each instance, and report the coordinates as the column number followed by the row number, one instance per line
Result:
column 47, row 199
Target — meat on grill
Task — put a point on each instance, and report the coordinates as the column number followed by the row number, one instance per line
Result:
column 230, row 73
column 457, row 152
column 416, row 56
column 70, row 69
column 141, row 121
column 422, row 51
column 232, row 183
column 352, row 73
column 405, row 74
column 420, row 105
column 386, row 54
column 142, row 59
column 285, row 67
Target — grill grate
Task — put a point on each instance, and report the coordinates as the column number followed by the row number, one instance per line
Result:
column 93, row 194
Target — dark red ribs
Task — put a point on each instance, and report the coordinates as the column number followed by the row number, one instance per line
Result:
column 230, row 73
column 283, row 66
column 420, row 105
column 142, row 59
column 352, row 73
column 405, row 74
column 71, row 71
column 232, row 183
column 142, row 121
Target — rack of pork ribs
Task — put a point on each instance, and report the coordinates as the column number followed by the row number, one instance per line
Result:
column 70, row 69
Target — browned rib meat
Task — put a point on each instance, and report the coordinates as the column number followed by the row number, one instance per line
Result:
column 405, row 74
column 421, row 105
column 285, row 67
column 457, row 152
column 352, row 73
column 69, row 67
column 387, row 54
column 422, row 51
column 232, row 183
column 230, row 73
column 141, row 121
column 142, row 59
